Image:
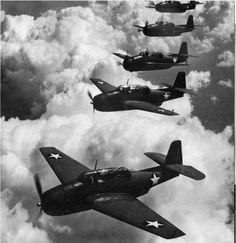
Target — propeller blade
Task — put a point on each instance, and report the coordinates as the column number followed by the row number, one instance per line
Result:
column 146, row 23
column 90, row 95
column 38, row 185
column 39, row 214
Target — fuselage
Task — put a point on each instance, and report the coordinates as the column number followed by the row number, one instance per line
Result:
column 115, row 101
column 174, row 7
column 153, row 61
column 74, row 197
column 168, row 29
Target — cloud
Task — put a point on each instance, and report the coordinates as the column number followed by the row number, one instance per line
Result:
column 226, row 59
column 202, row 46
column 15, row 226
column 227, row 84
column 214, row 99
column 197, row 80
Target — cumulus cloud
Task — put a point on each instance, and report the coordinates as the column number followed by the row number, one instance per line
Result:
column 49, row 64
column 226, row 59
column 197, row 80
column 214, row 99
column 224, row 31
column 15, row 226
column 227, row 84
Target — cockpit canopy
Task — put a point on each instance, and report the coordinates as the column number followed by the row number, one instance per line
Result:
column 133, row 88
column 103, row 175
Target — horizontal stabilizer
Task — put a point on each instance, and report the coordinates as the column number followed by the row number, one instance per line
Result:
column 167, row 85
column 157, row 157
column 176, row 55
column 187, row 91
column 186, row 170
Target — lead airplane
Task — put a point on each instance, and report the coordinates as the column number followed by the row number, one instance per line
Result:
column 112, row 191
column 161, row 28
column 138, row 97
column 155, row 60
column 173, row 6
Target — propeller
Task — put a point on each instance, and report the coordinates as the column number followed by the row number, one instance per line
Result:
column 39, row 190
column 146, row 23
column 91, row 98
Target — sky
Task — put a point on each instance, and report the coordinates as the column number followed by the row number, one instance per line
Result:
column 49, row 50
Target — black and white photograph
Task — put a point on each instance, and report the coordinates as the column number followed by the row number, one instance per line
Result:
column 117, row 121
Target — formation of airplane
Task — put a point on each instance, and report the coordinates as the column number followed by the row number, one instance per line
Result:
column 138, row 97
column 112, row 191
column 161, row 28
column 173, row 6
column 155, row 60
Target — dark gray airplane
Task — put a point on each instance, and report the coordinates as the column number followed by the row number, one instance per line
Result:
column 166, row 28
column 138, row 97
column 173, row 6
column 154, row 60
column 112, row 191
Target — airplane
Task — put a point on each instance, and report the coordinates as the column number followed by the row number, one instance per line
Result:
column 173, row 6
column 112, row 191
column 146, row 60
column 138, row 97
column 161, row 28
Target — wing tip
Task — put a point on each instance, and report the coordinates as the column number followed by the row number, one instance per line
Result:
column 177, row 233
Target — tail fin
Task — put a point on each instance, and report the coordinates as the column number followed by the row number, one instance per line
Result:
column 183, row 53
column 180, row 85
column 180, row 81
column 172, row 166
column 190, row 23
column 174, row 155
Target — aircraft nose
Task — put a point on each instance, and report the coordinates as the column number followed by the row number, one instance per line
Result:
column 52, row 199
column 99, row 102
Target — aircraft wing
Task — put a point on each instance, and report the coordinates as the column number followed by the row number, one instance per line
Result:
column 65, row 168
column 102, row 85
column 141, row 105
column 130, row 210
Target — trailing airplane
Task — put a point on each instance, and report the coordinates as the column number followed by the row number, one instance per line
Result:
column 112, row 191
column 173, row 6
column 138, row 97
column 155, row 60
column 166, row 28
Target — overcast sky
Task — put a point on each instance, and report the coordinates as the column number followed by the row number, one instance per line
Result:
column 49, row 51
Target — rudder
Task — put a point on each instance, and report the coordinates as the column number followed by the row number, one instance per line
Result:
column 190, row 23
column 183, row 53
column 180, row 81
column 174, row 155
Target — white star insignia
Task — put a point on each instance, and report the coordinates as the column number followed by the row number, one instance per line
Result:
column 55, row 156
column 174, row 59
column 154, row 179
column 166, row 96
column 100, row 82
column 154, row 223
